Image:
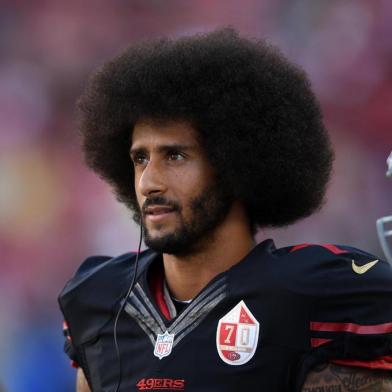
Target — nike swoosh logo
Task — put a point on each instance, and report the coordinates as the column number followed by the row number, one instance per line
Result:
column 361, row 269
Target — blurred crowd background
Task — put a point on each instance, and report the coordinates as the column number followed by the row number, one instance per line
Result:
column 54, row 212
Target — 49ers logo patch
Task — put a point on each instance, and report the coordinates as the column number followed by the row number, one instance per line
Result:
column 170, row 384
column 237, row 335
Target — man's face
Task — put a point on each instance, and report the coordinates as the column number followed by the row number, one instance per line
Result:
column 179, row 200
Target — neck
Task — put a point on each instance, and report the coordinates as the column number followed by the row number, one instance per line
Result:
column 187, row 275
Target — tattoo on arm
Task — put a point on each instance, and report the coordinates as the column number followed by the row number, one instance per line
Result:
column 336, row 378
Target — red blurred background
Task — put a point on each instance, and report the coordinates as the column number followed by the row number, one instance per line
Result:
column 54, row 212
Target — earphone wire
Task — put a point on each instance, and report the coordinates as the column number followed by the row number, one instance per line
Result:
column 122, row 308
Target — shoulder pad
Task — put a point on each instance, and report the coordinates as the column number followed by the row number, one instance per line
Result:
column 324, row 249
column 329, row 269
column 89, row 298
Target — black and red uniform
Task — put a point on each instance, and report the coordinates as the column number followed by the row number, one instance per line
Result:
column 260, row 326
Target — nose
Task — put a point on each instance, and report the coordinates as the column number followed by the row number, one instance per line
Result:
column 151, row 181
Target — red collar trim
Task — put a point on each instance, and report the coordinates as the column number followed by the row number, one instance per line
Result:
column 156, row 286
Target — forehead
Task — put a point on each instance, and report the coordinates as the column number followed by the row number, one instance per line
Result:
column 150, row 133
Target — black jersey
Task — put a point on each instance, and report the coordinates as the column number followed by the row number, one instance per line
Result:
column 260, row 326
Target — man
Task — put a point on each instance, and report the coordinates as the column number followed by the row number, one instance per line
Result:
column 206, row 138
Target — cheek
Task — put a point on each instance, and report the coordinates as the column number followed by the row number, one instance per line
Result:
column 136, row 188
column 198, row 176
column 198, row 184
column 190, row 188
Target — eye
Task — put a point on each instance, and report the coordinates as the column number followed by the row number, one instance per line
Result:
column 175, row 156
column 139, row 158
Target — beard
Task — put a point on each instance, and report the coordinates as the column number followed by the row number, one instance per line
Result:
column 207, row 212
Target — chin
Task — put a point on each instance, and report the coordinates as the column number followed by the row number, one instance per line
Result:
column 169, row 243
column 158, row 234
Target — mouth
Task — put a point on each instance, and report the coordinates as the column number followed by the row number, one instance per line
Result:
column 156, row 213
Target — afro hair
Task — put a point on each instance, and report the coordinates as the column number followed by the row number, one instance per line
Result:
column 256, row 115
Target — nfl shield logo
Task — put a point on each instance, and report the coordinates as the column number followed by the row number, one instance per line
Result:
column 163, row 345
column 237, row 335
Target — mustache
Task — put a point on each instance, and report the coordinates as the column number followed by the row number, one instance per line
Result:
column 161, row 202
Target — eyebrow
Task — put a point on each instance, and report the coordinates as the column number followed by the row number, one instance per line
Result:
column 166, row 148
